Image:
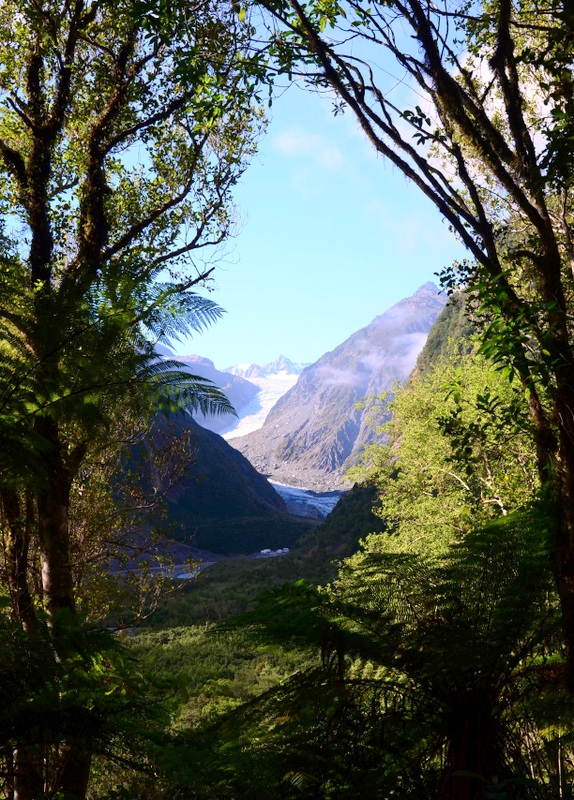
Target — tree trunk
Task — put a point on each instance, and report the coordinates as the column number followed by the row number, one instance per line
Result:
column 563, row 554
column 27, row 771
column 16, row 547
column 73, row 757
column 53, row 526
column 75, row 774
column 474, row 737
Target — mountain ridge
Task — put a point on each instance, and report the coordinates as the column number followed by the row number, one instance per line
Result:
column 221, row 503
column 316, row 427
column 281, row 364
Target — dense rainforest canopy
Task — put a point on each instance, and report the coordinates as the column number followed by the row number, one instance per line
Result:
column 440, row 662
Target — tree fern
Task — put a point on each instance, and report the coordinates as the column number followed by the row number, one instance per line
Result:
column 429, row 671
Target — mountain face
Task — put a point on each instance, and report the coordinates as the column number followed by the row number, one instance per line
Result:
column 316, row 427
column 273, row 380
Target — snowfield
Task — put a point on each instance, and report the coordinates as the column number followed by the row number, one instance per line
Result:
column 253, row 415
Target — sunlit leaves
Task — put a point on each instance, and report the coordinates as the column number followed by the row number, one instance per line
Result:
column 461, row 454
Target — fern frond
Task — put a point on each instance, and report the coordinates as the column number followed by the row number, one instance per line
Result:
column 175, row 389
column 172, row 315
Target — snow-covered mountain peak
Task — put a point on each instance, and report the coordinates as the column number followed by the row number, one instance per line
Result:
column 279, row 366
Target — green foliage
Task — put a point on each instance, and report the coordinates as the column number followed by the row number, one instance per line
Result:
column 231, row 586
column 123, row 131
column 429, row 672
column 129, row 181
column 433, row 664
column 453, row 325
column 215, row 670
column 339, row 535
column 205, row 674
column 441, row 667
column 492, row 150
column 225, row 589
column 92, row 696
column 460, row 443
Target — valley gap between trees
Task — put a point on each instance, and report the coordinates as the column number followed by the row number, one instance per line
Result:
column 124, row 129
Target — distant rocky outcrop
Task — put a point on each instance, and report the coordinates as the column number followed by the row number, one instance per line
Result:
column 316, row 427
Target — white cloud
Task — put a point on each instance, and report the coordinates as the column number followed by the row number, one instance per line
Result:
column 333, row 376
column 295, row 143
column 407, row 233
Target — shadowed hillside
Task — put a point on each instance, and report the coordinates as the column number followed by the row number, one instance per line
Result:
column 222, row 504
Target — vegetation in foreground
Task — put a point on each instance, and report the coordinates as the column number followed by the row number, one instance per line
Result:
column 439, row 662
column 431, row 665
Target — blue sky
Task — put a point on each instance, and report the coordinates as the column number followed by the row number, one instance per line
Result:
column 331, row 236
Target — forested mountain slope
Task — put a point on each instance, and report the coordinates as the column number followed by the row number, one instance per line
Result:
column 219, row 502
column 453, row 329
column 223, row 504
